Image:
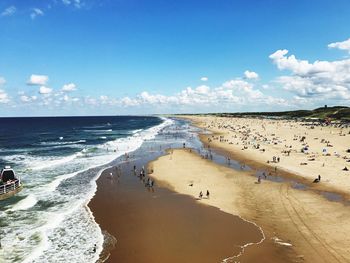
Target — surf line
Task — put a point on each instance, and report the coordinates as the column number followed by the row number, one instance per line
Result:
column 230, row 259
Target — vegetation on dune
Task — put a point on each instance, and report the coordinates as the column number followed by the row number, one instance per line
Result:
column 333, row 113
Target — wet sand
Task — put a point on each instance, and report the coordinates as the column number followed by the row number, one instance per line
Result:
column 300, row 225
column 164, row 226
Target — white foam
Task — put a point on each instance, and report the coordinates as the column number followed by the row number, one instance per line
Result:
column 136, row 131
column 55, row 183
column 25, row 203
column 39, row 163
column 54, row 162
column 52, row 222
column 63, row 143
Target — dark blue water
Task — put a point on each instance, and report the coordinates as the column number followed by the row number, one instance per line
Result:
column 60, row 136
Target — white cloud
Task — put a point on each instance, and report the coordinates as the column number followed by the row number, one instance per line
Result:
column 45, row 90
column 25, row 98
column 2, row 81
column 4, row 98
column 300, row 67
column 90, row 101
column 232, row 92
column 9, row 11
column 250, row 74
column 69, row 87
column 76, row 3
column 204, row 78
column 36, row 12
column 344, row 45
column 38, row 80
column 321, row 79
column 128, row 102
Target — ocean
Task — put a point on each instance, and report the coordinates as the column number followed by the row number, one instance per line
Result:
column 59, row 160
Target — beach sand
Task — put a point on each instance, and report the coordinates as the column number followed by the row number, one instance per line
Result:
column 162, row 225
column 299, row 225
column 257, row 141
column 300, row 221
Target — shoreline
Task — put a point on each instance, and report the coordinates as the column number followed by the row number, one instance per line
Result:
column 186, row 210
column 193, row 163
column 299, row 225
column 285, row 214
column 108, row 198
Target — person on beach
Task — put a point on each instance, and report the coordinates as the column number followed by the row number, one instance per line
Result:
column 259, row 179
column 318, row 179
column 208, row 194
column 264, row 174
column 200, row 195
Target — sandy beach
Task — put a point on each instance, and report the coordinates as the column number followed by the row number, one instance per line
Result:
column 284, row 218
column 304, row 150
column 312, row 217
column 296, row 222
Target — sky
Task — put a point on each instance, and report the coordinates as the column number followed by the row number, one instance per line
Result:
column 118, row 57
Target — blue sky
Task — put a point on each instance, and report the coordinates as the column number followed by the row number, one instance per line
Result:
column 89, row 57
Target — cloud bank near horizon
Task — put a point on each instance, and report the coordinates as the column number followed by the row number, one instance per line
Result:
column 306, row 83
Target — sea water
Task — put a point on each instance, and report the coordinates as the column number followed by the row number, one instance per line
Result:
column 59, row 160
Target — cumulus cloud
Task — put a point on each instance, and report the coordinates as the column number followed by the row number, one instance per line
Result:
column 9, row 11
column 232, row 92
column 45, row 90
column 4, row 98
column 344, row 45
column 250, row 74
column 36, row 12
column 129, row 102
column 321, row 79
column 69, row 87
column 38, row 80
column 204, row 78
